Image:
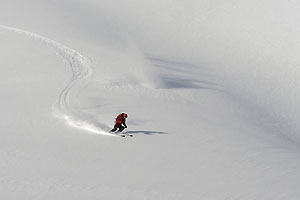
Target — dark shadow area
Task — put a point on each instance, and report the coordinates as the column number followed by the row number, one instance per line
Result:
column 178, row 82
column 145, row 132
column 182, row 75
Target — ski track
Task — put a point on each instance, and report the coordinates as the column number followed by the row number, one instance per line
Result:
column 81, row 70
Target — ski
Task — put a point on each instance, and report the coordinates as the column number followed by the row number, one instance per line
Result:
column 125, row 135
column 121, row 134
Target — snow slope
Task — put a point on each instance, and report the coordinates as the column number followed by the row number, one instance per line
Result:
column 210, row 88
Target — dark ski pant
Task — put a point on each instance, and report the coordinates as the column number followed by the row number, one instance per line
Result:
column 120, row 127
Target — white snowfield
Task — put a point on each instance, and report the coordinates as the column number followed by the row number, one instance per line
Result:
column 211, row 89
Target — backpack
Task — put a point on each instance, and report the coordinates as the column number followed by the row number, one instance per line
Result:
column 119, row 117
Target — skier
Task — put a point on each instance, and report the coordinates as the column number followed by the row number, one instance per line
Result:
column 120, row 123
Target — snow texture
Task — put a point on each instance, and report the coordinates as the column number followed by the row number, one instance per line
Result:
column 211, row 90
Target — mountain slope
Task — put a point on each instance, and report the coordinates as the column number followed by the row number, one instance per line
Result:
column 211, row 100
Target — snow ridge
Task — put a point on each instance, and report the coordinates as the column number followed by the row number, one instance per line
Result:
column 81, row 70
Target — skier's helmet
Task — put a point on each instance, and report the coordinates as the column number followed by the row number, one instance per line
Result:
column 124, row 115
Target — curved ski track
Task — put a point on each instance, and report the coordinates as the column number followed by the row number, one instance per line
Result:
column 81, row 70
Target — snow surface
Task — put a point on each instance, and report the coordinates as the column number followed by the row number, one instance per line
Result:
column 211, row 89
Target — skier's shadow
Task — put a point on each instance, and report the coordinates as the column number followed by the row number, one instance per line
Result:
column 145, row 132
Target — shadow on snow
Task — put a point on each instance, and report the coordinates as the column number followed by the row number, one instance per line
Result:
column 145, row 132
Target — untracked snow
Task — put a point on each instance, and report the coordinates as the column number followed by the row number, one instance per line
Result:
column 211, row 90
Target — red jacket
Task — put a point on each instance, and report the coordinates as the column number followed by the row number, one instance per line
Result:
column 121, row 120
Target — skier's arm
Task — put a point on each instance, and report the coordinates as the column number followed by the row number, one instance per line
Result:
column 124, row 124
